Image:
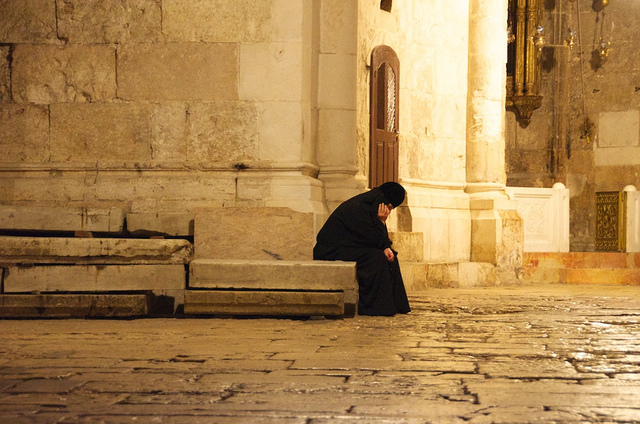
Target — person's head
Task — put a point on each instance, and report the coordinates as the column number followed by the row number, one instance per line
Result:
column 394, row 193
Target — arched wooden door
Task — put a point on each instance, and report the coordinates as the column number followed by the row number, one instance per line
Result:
column 383, row 156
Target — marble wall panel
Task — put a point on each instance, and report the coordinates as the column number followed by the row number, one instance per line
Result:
column 24, row 133
column 217, row 20
column 72, row 73
column 109, row 21
column 28, row 21
column 178, row 71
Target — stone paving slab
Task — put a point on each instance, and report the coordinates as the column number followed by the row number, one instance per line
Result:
column 486, row 355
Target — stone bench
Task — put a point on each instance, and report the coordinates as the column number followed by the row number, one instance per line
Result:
column 271, row 288
column 94, row 265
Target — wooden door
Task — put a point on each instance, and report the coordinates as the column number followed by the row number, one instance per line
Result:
column 383, row 155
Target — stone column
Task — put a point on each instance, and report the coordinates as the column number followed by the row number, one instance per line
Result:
column 337, row 91
column 496, row 228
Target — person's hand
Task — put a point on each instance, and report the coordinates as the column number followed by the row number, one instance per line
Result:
column 383, row 212
column 389, row 254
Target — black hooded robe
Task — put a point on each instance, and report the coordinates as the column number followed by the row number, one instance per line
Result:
column 353, row 232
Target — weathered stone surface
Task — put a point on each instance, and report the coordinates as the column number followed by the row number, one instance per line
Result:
column 265, row 233
column 93, row 250
column 5, row 74
column 73, row 305
column 173, row 224
column 428, row 366
column 264, row 303
column 28, row 21
column 72, row 73
column 271, row 72
column 91, row 278
column 197, row 71
column 222, row 131
column 24, row 133
column 111, row 21
column 217, row 20
column 61, row 219
column 409, row 245
column 109, row 131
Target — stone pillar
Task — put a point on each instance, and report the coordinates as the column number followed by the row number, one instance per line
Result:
column 496, row 228
column 337, row 88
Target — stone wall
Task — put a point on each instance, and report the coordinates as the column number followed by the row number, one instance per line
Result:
column 431, row 41
column 159, row 106
column 586, row 134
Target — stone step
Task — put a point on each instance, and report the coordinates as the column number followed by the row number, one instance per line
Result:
column 75, row 305
column 264, row 303
column 316, row 284
column 167, row 282
column 69, row 250
column 419, row 276
column 581, row 260
column 613, row 276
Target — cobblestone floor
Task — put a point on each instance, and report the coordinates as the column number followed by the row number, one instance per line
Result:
column 568, row 354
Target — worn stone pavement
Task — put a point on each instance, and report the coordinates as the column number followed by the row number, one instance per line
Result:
column 568, row 354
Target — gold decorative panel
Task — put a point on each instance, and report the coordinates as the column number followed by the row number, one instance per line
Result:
column 608, row 222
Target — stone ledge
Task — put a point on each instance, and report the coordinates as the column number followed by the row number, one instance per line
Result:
column 50, row 250
column 275, row 275
column 61, row 219
column 74, row 305
column 93, row 278
column 172, row 224
column 276, row 303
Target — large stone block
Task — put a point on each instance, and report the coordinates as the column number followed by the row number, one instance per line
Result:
column 93, row 250
column 217, row 20
column 116, row 132
column 61, row 219
column 72, row 73
column 275, row 275
column 222, row 131
column 74, row 305
column 253, row 233
column 178, row 71
column 109, row 21
column 24, row 133
column 93, row 278
column 27, row 21
column 277, row 303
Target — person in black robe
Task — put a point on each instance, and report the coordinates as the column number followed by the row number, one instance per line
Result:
column 357, row 231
